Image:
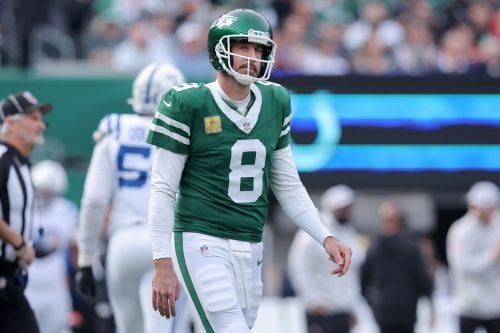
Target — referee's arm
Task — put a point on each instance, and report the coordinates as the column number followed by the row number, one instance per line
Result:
column 9, row 235
column 25, row 253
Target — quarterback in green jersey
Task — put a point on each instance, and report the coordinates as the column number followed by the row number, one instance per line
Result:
column 220, row 146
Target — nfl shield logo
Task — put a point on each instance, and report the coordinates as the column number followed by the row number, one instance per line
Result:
column 204, row 250
column 247, row 127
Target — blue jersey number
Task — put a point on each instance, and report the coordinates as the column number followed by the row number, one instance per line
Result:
column 132, row 162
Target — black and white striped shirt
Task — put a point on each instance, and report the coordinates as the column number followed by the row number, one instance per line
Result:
column 17, row 196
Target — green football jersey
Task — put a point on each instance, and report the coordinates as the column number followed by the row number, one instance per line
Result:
column 224, row 187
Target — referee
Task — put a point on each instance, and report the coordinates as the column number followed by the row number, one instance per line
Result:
column 21, row 130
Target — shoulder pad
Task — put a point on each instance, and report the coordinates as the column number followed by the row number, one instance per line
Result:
column 108, row 125
column 189, row 94
column 279, row 92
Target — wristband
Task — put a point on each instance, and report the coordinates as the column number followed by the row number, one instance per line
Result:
column 20, row 246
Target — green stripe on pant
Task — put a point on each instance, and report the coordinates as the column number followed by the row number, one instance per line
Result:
column 179, row 251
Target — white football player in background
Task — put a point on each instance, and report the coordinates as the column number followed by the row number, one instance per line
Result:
column 119, row 176
column 55, row 224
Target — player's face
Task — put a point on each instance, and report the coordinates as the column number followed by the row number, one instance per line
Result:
column 484, row 214
column 31, row 127
column 246, row 64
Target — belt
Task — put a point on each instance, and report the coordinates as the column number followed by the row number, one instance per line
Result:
column 11, row 272
column 8, row 267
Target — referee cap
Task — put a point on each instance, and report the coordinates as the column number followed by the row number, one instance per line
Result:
column 22, row 103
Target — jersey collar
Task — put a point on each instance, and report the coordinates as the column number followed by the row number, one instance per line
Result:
column 244, row 122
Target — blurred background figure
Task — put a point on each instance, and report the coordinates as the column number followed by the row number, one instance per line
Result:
column 394, row 275
column 473, row 249
column 55, row 224
column 330, row 303
column 374, row 23
column 118, row 183
column 137, row 49
column 191, row 53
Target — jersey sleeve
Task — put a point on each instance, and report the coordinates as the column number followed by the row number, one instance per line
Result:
column 97, row 193
column 284, row 138
column 171, row 127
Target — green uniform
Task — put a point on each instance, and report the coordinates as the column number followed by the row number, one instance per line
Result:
column 224, row 187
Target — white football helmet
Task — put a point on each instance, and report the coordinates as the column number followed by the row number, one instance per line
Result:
column 50, row 176
column 150, row 85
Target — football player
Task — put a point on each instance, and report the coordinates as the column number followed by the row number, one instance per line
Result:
column 55, row 223
column 119, row 175
column 220, row 146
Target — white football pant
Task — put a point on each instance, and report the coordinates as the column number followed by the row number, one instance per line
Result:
column 222, row 278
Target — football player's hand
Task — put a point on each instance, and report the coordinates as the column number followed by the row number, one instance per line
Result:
column 85, row 283
column 165, row 287
column 339, row 253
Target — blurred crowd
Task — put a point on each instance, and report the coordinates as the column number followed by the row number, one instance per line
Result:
column 318, row 37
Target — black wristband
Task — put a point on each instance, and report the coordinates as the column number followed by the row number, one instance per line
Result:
column 20, row 246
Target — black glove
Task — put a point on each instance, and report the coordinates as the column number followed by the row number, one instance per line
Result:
column 85, row 283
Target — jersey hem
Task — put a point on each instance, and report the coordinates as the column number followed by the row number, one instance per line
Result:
column 220, row 234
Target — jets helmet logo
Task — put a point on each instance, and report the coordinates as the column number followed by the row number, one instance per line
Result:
column 225, row 21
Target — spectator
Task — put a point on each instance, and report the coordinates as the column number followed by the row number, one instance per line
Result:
column 325, row 58
column 127, row 11
column 417, row 54
column 373, row 24
column 27, row 16
column 137, row 50
column 22, row 128
column 162, row 34
column 394, row 275
column 372, row 59
column 71, row 17
column 473, row 249
column 478, row 18
column 191, row 53
column 495, row 23
column 104, row 35
column 55, row 225
column 489, row 50
column 330, row 303
column 454, row 52
column 291, row 53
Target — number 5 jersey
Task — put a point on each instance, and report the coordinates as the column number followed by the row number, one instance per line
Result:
column 119, row 171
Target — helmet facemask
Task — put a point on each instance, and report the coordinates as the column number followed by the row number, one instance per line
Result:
column 224, row 54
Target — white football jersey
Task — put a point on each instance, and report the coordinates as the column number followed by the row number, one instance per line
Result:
column 119, row 172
